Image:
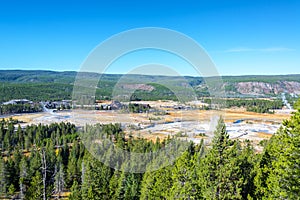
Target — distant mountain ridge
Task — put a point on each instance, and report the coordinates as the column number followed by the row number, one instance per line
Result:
column 58, row 85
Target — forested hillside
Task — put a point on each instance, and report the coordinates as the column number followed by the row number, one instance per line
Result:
column 50, row 161
column 50, row 85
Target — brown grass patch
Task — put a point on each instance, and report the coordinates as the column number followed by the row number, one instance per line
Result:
column 264, row 135
column 27, row 118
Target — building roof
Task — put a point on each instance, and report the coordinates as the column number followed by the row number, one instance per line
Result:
column 17, row 101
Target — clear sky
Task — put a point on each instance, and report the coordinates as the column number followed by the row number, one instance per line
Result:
column 241, row 36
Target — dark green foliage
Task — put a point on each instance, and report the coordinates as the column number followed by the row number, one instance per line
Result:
column 24, row 173
column 35, row 190
column 157, row 184
column 138, row 108
column 128, row 186
column 228, row 169
column 225, row 171
column 252, row 105
column 278, row 170
column 75, row 191
column 160, row 92
column 35, row 91
column 3, row 178
column 49, row 85
column 96, row 179
column 20, row 108
column 184, row 184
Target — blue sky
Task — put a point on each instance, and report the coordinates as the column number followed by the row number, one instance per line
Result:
column 241, row 36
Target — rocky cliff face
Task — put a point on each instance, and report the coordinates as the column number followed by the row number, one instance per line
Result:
column 262, row 88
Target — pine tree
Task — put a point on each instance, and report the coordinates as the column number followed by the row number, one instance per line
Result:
column 278, row 171
column 20, row 137
column 75, row 191
column 182, row 177
column 113, row 184
column 11, row 173
column 157, row 184
column 96, row 179
column 2, row 130
column 218, row 174
column 11, row 191
column 128, row 184
column 72, row 171
column 35, row 162
column 3, row 183
column 35, row 191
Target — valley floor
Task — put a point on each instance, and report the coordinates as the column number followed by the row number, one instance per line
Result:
column 187, row 124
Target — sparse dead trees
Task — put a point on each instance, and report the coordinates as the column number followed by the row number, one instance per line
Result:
column 23, row 175
column 59, row 182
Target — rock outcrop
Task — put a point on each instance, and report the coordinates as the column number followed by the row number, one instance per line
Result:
column 262, row 88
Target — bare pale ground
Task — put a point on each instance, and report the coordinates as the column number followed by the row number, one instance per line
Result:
column 187, row 124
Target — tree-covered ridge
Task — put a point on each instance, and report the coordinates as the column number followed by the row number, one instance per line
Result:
column 35, row 91
column 36, row 76
column 49, row 85
column 69, row 77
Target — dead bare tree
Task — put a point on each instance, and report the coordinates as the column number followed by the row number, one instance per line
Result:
column 59, row 181
column 23, row 174
column 44, row 172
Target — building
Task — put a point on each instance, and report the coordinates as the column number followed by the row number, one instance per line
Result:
column 18, row 101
